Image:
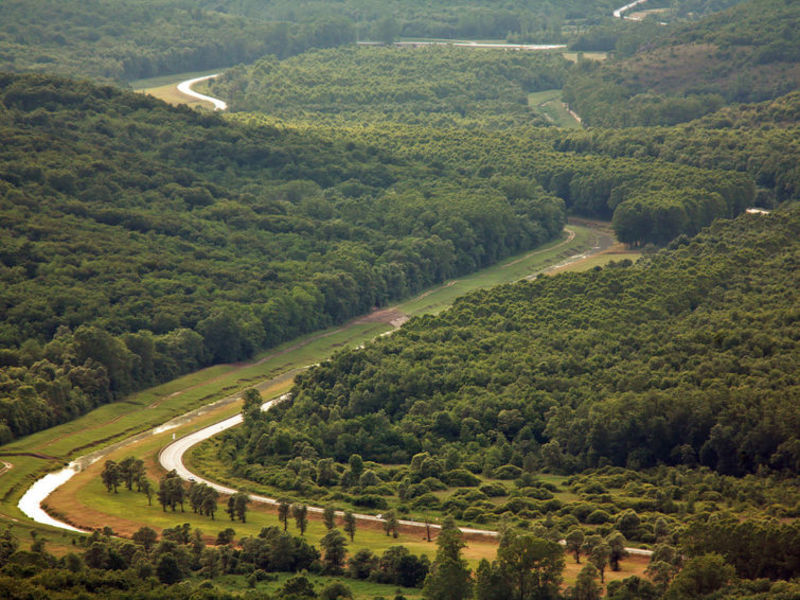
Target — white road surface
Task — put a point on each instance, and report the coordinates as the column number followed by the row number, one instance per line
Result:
column 185, row 87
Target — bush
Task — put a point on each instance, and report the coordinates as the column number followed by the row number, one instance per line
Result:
column 370, row 501
column 494, row 489
column 335, row 591
column 507, row 472
column 598, row 517
column 433, row 484
column 461, row 478
column 426, row 501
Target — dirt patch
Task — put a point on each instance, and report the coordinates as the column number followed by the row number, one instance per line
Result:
column 391, row 316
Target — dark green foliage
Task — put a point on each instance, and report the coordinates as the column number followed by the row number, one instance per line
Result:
column 747, row 53
column 437, row 85
column 131, row 39
column 140, row 242
column 658, row 365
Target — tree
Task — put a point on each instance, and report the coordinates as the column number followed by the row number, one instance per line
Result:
column 329, row 517
column 350, row 524
column 335, row 546
column 225, row 537
column 300, row 514
column 532, row 565
column 449, row 577
column 110, row 475
column 616, row 542
column 147, row 490
column 390, row 523
column 574, row 542
column 283, row 513
column 599, row 558
column 700, row 576
column 168, row 569
column 237, row 506
column 145, row 536
column 586, row 587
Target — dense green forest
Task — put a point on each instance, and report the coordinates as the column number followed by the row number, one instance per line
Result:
column 436, row 85
column 762, row 140
column 526, row 21
column 193, row 240
column 689, row 357
column 665, row 76
column 165, row 240
column 122, row 40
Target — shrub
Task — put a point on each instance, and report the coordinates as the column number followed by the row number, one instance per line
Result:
column 507, row 472
column 461, row 478
column 494, row 489
column 598, row 517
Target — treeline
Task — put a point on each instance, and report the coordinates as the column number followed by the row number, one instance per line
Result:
column 151, row 566
column 747, row 53
column 141, row 241
column 596, row 182
column 123, row 40
column 471, row 19
column 688, row 358
column 438, row 85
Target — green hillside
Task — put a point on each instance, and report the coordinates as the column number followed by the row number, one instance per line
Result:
column 688, row 357
column 141, row 241
column 747, row 53
column 435, row 85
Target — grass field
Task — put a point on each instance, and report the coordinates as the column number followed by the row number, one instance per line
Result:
column 166, row 88
column 573, row 56
column 549, row 104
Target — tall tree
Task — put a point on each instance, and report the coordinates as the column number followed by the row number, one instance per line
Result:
column 329, row 517
column 532, row 565
column 283, row 513
column 574, row 542
column 350, row 524
column 110, row 475
column 449, row 577
column 300, row 514
column 335, row 546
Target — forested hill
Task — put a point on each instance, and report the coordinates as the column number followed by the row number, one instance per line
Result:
column 121, row 40
column 748, row 53
column 437, row 85
column 141, row 241
column 691, row 356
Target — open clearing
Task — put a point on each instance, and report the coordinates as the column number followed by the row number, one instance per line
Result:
column 548, row 103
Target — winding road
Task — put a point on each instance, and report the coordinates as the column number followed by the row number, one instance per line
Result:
column 185, row 87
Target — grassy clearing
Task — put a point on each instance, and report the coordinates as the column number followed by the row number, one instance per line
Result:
column 549, row 104
column 573, row 56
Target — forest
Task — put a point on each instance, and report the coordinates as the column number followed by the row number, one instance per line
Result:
column 688, row 358
column 435, row 85
column 748, row 53
column 192, row 241
column 123, row 40
column 648, row 406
